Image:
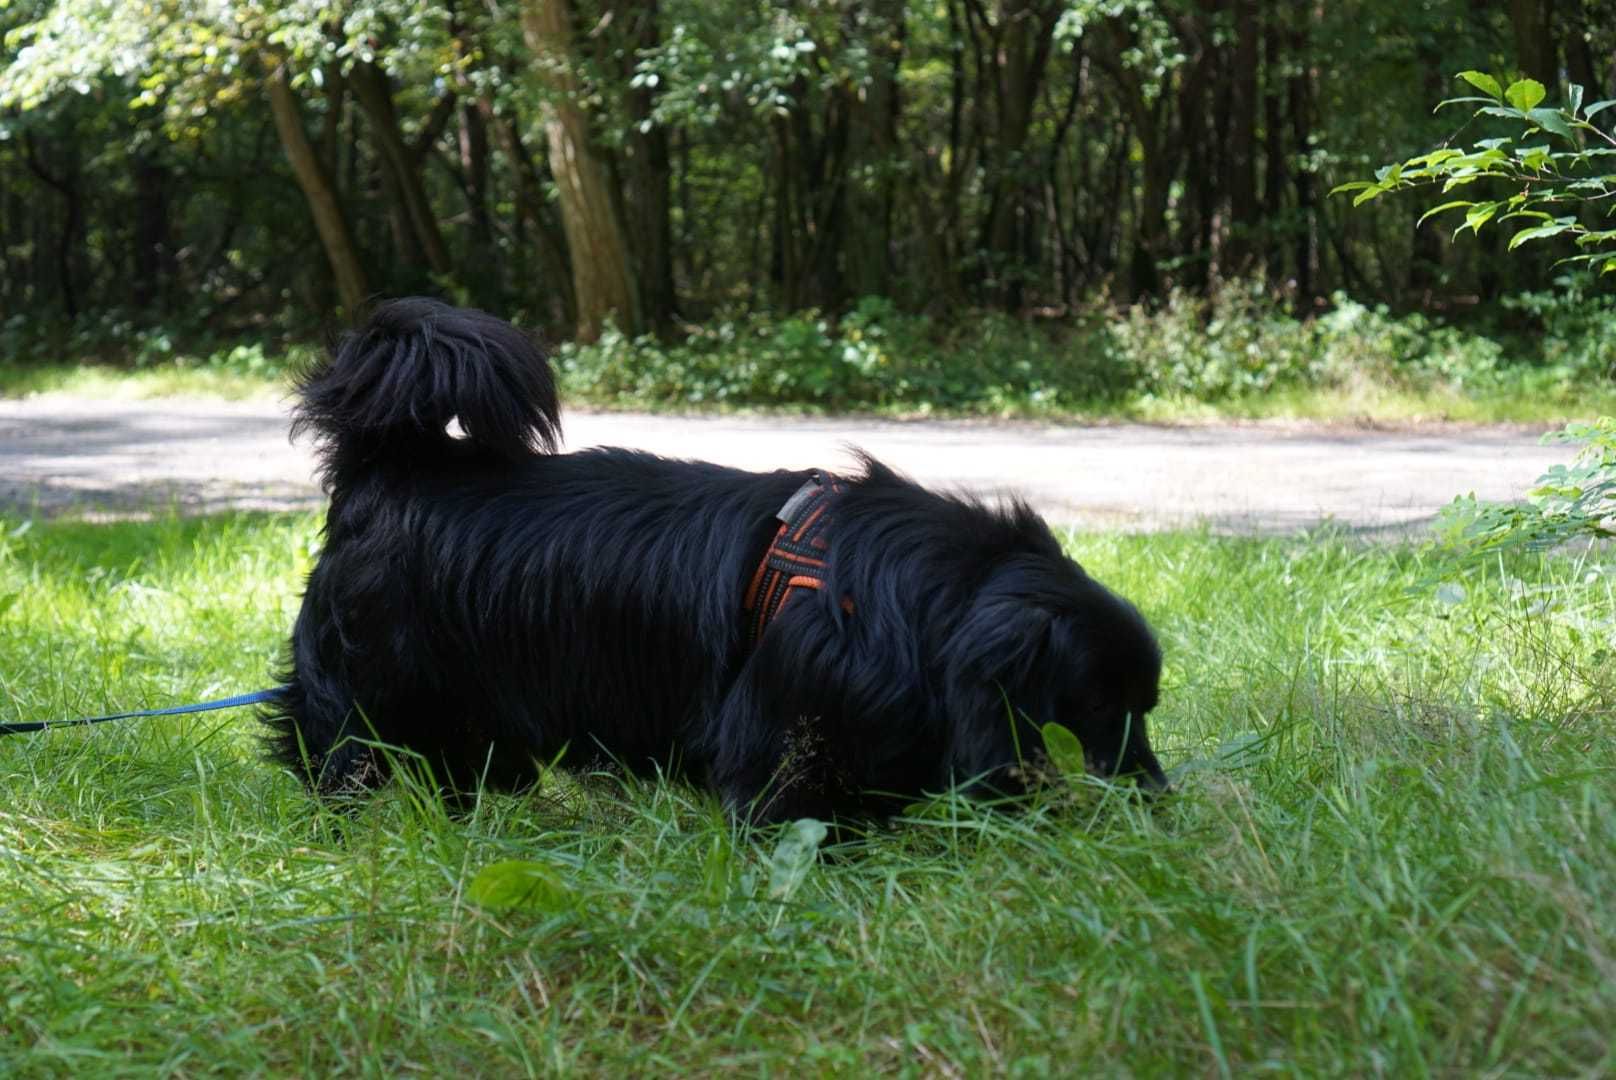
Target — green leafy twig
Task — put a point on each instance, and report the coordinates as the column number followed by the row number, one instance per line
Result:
column 1566, row 171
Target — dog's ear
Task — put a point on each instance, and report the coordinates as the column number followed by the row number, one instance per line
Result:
column 990, row 691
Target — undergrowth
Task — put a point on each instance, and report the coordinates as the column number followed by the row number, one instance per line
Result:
column 1536, row 357
column 1390, row 852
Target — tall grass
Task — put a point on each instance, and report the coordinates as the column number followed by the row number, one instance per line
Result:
column 1392, row 851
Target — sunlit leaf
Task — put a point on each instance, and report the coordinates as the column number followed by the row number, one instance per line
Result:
column 1525, row 94
column 1445, row 206
column 518, row 885
column 1483, row 82
column 1064, row 750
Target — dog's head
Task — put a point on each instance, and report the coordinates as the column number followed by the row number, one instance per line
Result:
column 1046, row 643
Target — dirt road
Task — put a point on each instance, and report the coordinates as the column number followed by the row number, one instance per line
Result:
column 66, row 455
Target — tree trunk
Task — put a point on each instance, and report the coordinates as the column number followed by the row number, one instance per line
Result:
column 531, row 211
column 1242, row 175
column 1301, row 105
column 1274, row 181
column 152, row 249
column 320, row 195
column 601, row 277
column 375, row 93
column 647, row 169
column 67, row 186
column 872, row 150
column 1534, row 39
column 1021, row 37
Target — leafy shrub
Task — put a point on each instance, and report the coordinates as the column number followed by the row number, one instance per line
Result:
column 1238, row 343
column 873, row 357
column 1231, row 344
column 1575, row 327
column 113, row 338
column 1568, row 502
column 1565, row 172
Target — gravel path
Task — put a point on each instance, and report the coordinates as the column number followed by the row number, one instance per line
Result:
column 62, row 455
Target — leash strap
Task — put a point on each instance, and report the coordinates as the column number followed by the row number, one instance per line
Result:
column 795, row 558
column 253, row 698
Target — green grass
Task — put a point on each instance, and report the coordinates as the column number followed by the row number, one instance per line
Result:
column 1393, row 851
column 119, row 383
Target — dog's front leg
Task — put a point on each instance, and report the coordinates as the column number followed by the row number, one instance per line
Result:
column 769, row 756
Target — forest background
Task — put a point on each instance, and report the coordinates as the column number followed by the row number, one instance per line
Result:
column 989, row 205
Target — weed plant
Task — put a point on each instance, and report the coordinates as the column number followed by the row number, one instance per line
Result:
column 1391, row 851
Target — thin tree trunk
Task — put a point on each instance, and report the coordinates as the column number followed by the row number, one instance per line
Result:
column 1301, row 105
column 1534, row 39
column 1274, row 181
column 647, row 170
column 1242, row 160
column 530, row 210
column 152, row 249
column 67, row 186
column 320, row 195
column 1022, row 36
column 601, row 277
column 872, row 150
column 375, row 93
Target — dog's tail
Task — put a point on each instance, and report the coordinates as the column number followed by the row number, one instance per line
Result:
column 390, row 389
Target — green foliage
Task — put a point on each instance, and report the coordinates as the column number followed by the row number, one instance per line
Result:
column 1063, row 749
column 875, row 357
column 1568, row 502
column 1566, row 173
column 1550, row 182
column 1390, row 852
column 1232, row 347
column 519, row 885
column 119, row 339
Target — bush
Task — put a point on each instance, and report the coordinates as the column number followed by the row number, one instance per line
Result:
column 115, row 339
column 874, row 357
column 1236, row 344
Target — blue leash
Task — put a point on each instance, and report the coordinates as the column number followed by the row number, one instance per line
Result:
column 253, row 698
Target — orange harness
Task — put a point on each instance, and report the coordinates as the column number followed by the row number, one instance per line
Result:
column 795, row 558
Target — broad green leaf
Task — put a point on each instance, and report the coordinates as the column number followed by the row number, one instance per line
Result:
column 1064, row 750
column 1537, row 232
column 1445, row 206
column 518, row 885
column 1352, row 185
column 1551, row 120
column 1535, row 157
column 1478, row 216
column 1596, row 108
column 1373, row 192
column 1573, row 98
column 1483, row 82
column 794, row 856
column 1444, row 103
column 1525, row 94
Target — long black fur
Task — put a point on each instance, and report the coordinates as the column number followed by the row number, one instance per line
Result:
column 488, row 603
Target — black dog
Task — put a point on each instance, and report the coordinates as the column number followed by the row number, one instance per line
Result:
column 804, row 644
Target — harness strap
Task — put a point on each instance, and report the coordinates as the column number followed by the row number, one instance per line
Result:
column 253, row 698
column 795, row 558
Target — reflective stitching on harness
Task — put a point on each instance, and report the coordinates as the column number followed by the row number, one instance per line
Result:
column 795, row 557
